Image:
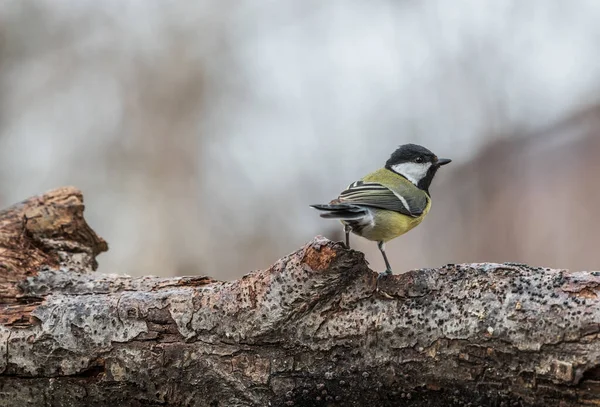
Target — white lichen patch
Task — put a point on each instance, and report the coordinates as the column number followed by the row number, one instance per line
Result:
column 181, row 309
column 90, row 321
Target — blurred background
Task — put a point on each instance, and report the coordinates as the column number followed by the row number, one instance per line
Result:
column 201, row 131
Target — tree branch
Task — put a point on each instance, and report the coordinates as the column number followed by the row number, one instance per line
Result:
column 312, row 330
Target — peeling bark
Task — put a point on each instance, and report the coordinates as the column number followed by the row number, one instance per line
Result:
column 312, row 330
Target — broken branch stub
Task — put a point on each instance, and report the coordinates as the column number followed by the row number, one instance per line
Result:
column 310, row 331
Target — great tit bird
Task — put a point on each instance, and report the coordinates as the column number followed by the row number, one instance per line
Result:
column 389, row 202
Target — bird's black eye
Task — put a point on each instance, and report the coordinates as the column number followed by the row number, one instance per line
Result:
column 419, row 160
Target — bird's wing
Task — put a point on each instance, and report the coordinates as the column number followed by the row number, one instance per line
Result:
column 376, row 195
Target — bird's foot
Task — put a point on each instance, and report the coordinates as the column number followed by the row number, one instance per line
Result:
column 386, row 273
column 380, row 276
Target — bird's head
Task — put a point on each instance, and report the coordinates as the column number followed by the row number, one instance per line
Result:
column 415, row 163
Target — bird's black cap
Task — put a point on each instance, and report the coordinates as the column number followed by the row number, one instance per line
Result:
column 417, row 154
column 410, row 152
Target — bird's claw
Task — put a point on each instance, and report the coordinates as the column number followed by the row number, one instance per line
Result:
column 384, row 274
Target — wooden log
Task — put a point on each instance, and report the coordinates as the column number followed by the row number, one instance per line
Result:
column 312, row 330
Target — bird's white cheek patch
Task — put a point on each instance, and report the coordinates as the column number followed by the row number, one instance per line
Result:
column 414, row 172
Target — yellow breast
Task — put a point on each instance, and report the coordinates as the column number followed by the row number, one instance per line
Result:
column 388, row 225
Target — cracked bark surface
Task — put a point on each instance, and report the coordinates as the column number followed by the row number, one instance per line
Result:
column 312, row 330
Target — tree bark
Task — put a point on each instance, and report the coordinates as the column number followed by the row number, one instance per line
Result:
column 315, row 329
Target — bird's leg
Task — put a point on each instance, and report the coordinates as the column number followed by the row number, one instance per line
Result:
column 347, row 230
column 388, row 268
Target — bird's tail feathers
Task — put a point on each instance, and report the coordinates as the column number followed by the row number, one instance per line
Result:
column 341, row 211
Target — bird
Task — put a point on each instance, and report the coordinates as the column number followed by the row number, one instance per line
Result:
column 388, row 202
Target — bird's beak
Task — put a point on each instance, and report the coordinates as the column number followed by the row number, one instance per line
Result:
column 443, row 161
